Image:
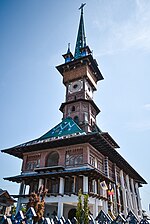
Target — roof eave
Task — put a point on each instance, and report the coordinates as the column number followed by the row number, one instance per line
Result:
column 94, row 139
column 92, row 63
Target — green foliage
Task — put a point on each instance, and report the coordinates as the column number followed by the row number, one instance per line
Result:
column 79, row 211
column 13, row 210
column 86, row 209
column 23, row 208
column 82, row 212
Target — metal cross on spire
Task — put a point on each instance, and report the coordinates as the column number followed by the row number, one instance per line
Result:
column 81, row 7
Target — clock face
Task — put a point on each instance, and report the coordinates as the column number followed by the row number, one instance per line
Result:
column 75, row 86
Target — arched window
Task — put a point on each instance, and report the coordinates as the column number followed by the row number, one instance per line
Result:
column 76, row 119
column 52, row 159
column 72, row 213
column 73, row 108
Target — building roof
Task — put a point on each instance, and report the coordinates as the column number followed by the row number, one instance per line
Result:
column 88, row 59
column 2, row 192
column 5, row 198
column 80, row 100
column 18, row 178
column 65, row 133
column 102, row 141
column 88, row 171
column 64, row 128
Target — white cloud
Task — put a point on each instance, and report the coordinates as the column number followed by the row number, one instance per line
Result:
column 132, row 32
column 147, row 106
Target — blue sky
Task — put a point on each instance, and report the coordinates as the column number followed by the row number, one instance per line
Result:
column 34, row 35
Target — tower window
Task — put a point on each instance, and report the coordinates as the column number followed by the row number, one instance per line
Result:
column 76, row 119
column 73, row 108
column 52, row 159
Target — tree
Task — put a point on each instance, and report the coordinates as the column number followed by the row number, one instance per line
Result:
column 82, row 213
column 37, row 201
column 86, row 209
column 79, row 212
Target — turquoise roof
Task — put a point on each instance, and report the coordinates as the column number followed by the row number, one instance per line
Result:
column 66, row 127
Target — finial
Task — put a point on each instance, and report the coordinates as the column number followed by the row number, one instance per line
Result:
column 68, row 51
column 81, row 7
column 68, row 56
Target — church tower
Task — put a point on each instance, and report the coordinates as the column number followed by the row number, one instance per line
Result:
column 80, row 76
column 76, row 154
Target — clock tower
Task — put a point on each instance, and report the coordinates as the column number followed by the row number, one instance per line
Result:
column 80, row 76
column 76, row 155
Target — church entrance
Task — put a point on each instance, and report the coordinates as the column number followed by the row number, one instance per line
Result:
column 71, row 213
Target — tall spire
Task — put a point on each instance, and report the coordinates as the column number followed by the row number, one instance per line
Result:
column 81, row 39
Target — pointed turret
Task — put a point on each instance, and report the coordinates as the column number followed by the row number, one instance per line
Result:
column 82, row 64
column 81, row 39
column 68, row 56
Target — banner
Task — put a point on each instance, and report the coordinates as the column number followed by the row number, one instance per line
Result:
column 104, row 185
column 111, row 191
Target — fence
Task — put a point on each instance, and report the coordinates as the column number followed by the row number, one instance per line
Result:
column 102, row 218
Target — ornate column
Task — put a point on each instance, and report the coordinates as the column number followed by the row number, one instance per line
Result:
column 135, row 208
column 96, row 162
column 95, row 208
column 95, row 186
column 21, row 192
column 123, row 193
column 130, row 204
column 118, row 197
column 40, row 183
column 74, row 183
column 60, row 209
column 116, row 193
column 85, row 185
column 22, row 186
column 61, row 185
column 105, row 206
column 138, row 200
column 115, row 173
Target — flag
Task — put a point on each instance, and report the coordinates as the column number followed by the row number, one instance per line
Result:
column 103, row 185
column 111, row 191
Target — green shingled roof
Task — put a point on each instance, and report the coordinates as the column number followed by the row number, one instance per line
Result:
column 66, row 127
column 81, row 39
